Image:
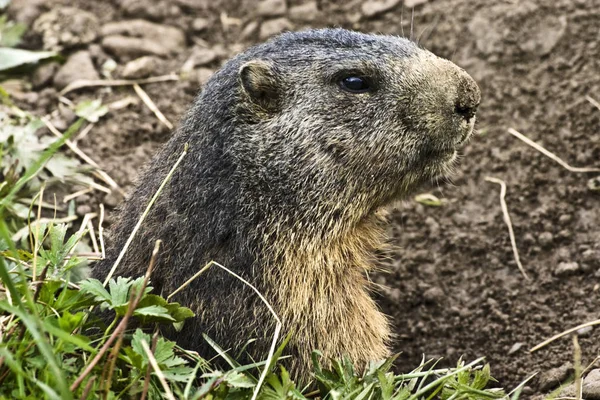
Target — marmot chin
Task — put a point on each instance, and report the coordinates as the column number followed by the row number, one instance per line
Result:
column 295, row 147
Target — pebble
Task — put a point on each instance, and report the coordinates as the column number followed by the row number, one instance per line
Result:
column 547, row 33
column 25, row 11
column 554, row 377
column 140, row 67
column 78, row 66
column 566, row 268
column 515, row 347
column 273, row 27
column 375, row 7
column 200, row 24
column 66, row 27
column 249, row 30
column 305, row 12
column 546, row 238
column 434, row 295
column 44, row 74
column 271, row 8
column 138, row 37
column 590, row 389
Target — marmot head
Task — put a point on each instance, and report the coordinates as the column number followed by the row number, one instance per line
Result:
column 331, row 119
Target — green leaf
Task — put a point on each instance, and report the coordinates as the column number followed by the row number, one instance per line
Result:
column 10, row 32
column 11, row 58
column 91, row 110
column 61, row 166
column 95, row 288
column 154, row 311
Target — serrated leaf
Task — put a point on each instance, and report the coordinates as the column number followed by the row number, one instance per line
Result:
column 61, row 166
column 153, row 311
column 95, row 288
column 91, row 110
column 11, row 58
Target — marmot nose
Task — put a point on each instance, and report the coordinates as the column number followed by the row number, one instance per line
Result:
column 468, row 97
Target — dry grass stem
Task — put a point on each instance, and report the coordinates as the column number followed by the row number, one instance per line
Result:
column 550, row 155
column 157, row 371
column 83, row 83
column 101, row 231
column 37, row 233
column 508, row 222
column 101, row 174
column 143, row 217
column 565, row 333
column 76, row 194
column 271, row 310
column 87, row 389
column 123, row 103
column 577, row 366
column 92, row 234
column 150, row 104
column 593, row 102
column 84, row 132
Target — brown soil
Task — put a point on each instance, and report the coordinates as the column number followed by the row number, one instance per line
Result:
column 454, row 288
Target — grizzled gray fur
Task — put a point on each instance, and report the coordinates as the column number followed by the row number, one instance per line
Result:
column 296, row 146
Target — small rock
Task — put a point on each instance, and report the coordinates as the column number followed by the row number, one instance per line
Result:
column 591, row 257
column 83, row 209
column 274, row 26
column 200, row 24
column 306, row 12
column 139, row 37
column 413, row 3
column 515, row 347
column 25, row 11
column 201, row 56
column 583, row 332
column 546, row 238
column 43, row 74
column 591, row 385
column 78, row 66
column 375, row 7
column 566, row 268
column 544, row 35
column 140, row 67
column 66, row 27
column 113, row 199
column 123, row 46
column 271, row 8
column 554, row 377
column 434, row 295
column 249, row 30
column 565, row 218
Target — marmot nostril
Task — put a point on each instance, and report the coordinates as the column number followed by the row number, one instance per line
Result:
column 466, row 112
column 468, row 97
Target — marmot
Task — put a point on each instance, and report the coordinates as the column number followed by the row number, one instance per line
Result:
column 295, row 146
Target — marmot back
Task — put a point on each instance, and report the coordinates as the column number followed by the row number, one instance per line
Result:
column 295, row 147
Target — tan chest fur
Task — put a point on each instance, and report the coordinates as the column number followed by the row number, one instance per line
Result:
column 322, row 294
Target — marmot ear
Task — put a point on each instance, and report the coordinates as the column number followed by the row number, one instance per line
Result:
column 261, row 83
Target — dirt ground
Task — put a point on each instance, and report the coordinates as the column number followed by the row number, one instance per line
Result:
column 453, row 287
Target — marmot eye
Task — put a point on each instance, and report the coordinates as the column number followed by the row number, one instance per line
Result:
column 355, row 84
